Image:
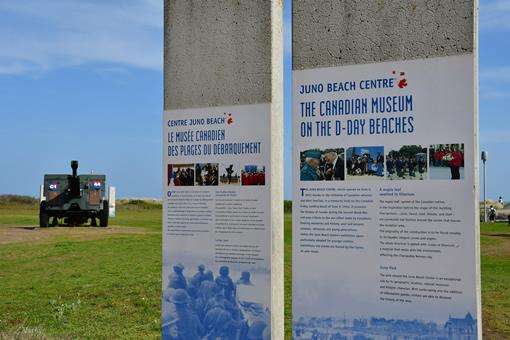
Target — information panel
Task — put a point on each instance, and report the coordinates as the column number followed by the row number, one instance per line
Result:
column 216, row 229
column 384, row 216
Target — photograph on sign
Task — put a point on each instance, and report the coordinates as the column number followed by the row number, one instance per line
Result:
column 230, row 174
column 253, row 175
column 181, row 174
column 408, row 162
column 322, row 165
column 366, row 162
column 447, row 161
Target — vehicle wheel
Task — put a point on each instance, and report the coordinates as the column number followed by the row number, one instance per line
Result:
column 104, row 214
column 43, row 215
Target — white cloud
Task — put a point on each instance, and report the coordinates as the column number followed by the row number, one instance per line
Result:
column 491, row 94
column 495, row 136
column 14, row 67
column 495, row 74
column 494, row 14
column 494, row 83
column 39, row 35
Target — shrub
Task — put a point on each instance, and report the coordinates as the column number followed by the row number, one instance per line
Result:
column 138, row 204
column 287, row 206
column 18, row 200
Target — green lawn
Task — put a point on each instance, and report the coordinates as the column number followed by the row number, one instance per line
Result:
column 105, row 287
column 495, row 244
column 109, row 287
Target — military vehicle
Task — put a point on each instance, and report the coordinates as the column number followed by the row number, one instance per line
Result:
column 74, row 199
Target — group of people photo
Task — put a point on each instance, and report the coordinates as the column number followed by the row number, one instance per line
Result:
column 408, row 162
column 365, row 162
column 205, row 306
column 446, row 161
column 181, row 174
column 206, row 174
column 253, row 175
column 322, row 165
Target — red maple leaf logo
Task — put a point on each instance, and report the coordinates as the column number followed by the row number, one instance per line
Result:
column 230, row 119
column 402, row 82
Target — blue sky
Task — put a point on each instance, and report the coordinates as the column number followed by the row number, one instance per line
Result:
column 83, row 80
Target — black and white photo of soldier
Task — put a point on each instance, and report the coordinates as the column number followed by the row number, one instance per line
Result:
column 365, row 162
column 181, row 174
column 408, row 162
column 230, row 174
column 212, row 304
column 446, row 161
column 322, row 165
column 206, row 174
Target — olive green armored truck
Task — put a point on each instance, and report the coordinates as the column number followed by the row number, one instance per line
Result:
column 73, row 199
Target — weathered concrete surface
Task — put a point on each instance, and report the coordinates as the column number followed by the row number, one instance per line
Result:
column 341, row 32
column 217, row 53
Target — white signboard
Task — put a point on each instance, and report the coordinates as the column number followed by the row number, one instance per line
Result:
column 111, row 201
column 384, row 227
column 216, row 230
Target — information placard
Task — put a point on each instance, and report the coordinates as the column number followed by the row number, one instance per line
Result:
column 384, row 214
column 216, row 223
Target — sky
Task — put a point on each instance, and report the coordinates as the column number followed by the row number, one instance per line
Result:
column 83, row 79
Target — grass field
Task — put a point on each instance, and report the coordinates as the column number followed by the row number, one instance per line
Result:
column 97, row 283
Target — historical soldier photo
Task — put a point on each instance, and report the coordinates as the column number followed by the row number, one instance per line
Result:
column 181, row 174
column 206, row 174
column 204, row 306
column 230, row 174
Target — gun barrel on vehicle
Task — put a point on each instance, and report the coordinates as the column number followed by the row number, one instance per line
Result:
column 74, row 181
column 74, row 166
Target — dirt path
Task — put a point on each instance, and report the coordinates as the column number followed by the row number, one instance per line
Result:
column 35, row 234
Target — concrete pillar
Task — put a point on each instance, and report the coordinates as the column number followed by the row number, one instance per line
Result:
column 335, row 33
column 225, row 53
column 217, row 53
